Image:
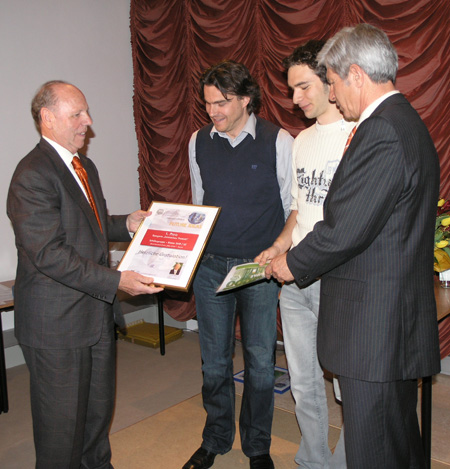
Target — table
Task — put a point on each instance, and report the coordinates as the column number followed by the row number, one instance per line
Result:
column 7, row 306
column 442, row 300
column 443, row 310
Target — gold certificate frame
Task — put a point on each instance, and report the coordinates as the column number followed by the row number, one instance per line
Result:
column 170, row 242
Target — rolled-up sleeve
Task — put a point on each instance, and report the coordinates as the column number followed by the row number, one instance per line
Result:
column 284, row 168
column 196, row 179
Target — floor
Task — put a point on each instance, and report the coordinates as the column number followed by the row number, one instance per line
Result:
column 158, row 406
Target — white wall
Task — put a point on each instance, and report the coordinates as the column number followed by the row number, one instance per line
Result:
column 85, row 42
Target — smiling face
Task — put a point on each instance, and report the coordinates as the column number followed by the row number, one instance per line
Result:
column 66, row 122
column 309, row 93
column 229, row 114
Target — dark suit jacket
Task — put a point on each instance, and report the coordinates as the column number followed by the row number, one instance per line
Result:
column 374, row 251
column 63, row 286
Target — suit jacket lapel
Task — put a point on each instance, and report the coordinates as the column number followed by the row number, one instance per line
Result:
column 77, row 194
column 395, row 99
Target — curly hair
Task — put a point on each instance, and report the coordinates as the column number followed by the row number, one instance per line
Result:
column 306, row 54
column 234, row 78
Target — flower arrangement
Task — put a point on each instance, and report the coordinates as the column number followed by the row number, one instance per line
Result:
column 442, row 237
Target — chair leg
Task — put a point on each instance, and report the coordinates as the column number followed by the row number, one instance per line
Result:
column 162, row 342
column 426, row 419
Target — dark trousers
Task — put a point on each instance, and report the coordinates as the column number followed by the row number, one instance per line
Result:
column 381, row 425
column 72, row 399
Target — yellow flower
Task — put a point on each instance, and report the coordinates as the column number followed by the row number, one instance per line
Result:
column 441, row 202
column 442, row 244
column 445, row 221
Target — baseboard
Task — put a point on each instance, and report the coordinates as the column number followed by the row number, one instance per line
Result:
column 14, row 357
column 192, row 325
column 445, row 366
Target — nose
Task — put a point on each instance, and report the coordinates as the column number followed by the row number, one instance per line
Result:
column 86, row 119
column 297, row 96
column 211, row 109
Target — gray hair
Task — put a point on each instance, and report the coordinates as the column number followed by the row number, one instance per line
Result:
column 363, row 45
column 45, row 97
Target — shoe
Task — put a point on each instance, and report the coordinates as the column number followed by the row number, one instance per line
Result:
column 201, row 459
column 263, row 461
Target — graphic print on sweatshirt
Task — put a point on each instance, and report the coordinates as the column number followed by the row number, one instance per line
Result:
column 313, row 186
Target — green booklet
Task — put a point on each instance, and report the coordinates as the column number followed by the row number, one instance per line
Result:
column 241, row 275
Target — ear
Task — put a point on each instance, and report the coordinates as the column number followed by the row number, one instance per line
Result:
column 356, row 75
column 245, row 100
column 328, row 91
column 47, row 118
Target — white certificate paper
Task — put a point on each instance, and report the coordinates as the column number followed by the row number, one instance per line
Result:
column 170, row 242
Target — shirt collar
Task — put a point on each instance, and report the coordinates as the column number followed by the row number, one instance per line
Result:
column 65, row 154
column 249, row 128
column 371, row 107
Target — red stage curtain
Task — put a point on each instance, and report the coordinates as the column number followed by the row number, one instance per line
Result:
column 173, row 41
column 444, row 337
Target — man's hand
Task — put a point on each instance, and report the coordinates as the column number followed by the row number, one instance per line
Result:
column 137, row 284
column 267, row 255
column 279, row 269
column 134, row 220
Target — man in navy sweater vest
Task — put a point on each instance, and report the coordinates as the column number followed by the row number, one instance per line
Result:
column 241, row 163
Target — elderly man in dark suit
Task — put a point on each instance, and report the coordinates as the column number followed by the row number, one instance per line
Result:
column 65, row 292
column 374, row 250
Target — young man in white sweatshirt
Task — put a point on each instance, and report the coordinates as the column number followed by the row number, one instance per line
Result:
column 316, row 154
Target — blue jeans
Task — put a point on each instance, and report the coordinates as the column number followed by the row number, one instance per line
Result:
column 257, row 306
column 299, row 315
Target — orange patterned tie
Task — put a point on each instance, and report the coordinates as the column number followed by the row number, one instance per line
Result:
column 349, row 139
column 82, row 174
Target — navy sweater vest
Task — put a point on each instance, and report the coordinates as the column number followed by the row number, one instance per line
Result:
column 243, row 181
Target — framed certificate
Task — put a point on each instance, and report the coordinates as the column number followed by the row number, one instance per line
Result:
column 170, row 242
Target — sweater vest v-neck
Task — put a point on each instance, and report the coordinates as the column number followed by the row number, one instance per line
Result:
column 243, row 182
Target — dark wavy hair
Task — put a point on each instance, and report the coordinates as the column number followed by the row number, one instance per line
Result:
column 306, row 54
column 234, row 78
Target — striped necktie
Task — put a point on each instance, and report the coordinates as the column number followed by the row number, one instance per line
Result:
column 349, row 139
column 82, row 174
